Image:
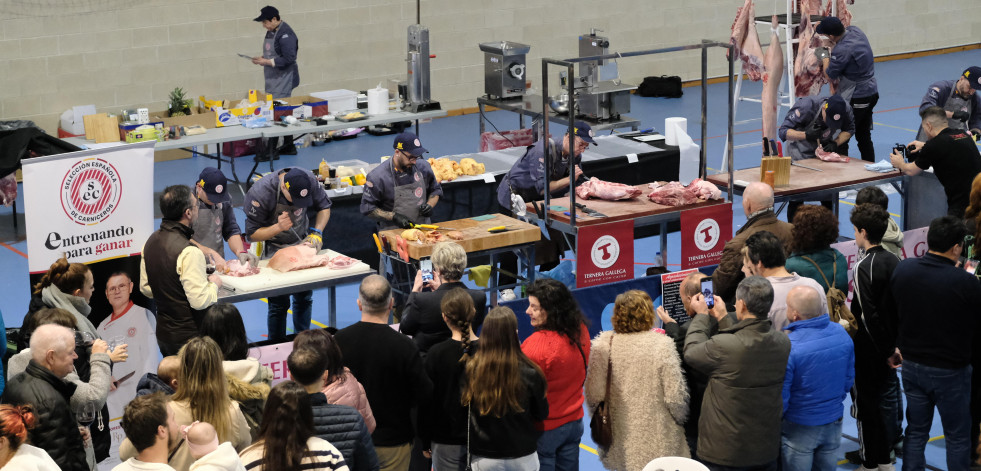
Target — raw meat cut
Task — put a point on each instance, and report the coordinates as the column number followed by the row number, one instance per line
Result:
column 341, row 262
column 8, row 189
column 237, row 268
column 772, row 76
column 746, row 42
column 811, row 5
column 842, row 11
column 455, row 235
column 432, row 237
column 596, row 188
column 676, row 194
column 829, row 156
column 808, row 77
column 297, row 257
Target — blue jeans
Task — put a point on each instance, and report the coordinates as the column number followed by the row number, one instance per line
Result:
column 809, row 447
column 950, row 391
column 558, row 449
column 278, row 305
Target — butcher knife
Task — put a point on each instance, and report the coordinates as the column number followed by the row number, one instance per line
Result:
column 592, row 212
column 795, row 164
column 432, row 227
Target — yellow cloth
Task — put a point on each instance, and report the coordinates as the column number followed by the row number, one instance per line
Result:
column 480, row 275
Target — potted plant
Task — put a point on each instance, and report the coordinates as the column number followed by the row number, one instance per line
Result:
column 179, row 104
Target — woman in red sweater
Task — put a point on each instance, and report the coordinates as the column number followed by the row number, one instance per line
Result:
column 560, row 347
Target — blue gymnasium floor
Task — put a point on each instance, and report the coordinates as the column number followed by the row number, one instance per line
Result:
column 901, row 86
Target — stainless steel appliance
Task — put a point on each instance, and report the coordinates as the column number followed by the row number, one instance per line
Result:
column 418, row 79
column 599, row 93
column 504, row 68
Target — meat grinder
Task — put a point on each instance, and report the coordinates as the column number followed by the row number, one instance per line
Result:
column 504, row 68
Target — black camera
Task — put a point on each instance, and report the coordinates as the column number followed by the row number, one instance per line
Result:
column 901, row 149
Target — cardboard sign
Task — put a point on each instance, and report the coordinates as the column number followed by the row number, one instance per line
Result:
column 704, row 233
column 605, row 253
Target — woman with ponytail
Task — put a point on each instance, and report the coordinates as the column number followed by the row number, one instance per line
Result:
column 443, row 420
column 15, row 421
column 422, row 318
column 67, row 286
column 504, row 392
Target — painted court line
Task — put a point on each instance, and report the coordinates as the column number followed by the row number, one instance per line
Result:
column 290, row 312
column 18, row 252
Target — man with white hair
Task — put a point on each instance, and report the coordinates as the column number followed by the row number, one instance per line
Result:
column 820, row 372
column 758, row 207
column 43, row 386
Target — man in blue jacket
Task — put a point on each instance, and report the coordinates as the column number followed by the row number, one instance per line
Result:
column 960, row 101
column 820, row 372
column 279, row 49
column 851, row 63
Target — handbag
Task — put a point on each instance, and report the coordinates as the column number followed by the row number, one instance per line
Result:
column 601, row 424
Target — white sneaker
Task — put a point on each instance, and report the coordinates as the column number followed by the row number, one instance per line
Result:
column 507, row 295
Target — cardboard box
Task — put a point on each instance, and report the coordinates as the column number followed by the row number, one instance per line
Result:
column 198, row 117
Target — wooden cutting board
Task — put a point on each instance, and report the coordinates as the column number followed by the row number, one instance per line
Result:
column 267, row 278
column 475, row 235
column 101, row 127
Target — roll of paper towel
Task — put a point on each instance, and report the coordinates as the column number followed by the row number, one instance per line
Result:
column 670, row 127
column 377, row 101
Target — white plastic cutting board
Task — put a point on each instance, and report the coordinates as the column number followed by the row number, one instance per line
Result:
column 269, row 278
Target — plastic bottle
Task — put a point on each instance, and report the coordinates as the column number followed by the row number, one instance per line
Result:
column 658, row 260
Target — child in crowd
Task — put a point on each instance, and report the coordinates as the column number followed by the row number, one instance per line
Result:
column 164, row 381
column 202, row 442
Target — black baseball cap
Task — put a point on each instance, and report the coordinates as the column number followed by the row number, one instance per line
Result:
column 409, row 142
column 214, row 184
column 835, row 112
column 831, row 26
column 973, row 75
column 297, row 182
column 584, row 131
column 267, row 13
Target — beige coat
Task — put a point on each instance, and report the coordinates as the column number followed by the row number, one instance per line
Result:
column 648, row 398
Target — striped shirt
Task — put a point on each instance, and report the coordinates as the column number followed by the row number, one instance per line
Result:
column 323, row 456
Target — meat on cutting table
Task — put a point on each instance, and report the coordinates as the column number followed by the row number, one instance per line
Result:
column 746, row 41
column 341, row 262
column 297, row 257
column 237, row 268
column 610, row 191
column 829, row 156
column 676, row 194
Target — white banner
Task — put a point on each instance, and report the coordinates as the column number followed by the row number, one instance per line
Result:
column 274, row 356
column 914, row 245
column 91, row 205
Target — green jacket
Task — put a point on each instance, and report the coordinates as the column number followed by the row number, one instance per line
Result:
column 825, row 258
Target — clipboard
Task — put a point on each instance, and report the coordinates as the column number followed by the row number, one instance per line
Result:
column 244, row 56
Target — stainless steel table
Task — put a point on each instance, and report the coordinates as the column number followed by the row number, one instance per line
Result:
column 531, row 105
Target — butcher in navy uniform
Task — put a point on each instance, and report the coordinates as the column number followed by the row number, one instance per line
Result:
column 403, row 190
column 959, row 99
column 851, row 63
column 526, row 178
column 216, row 223
column 285, row 208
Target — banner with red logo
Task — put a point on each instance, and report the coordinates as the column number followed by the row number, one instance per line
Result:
column 91, row 205
column 914, row 246
column 605, row 253
column 704, row 233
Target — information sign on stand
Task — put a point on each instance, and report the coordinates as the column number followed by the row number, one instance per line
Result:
column 704, row 233
column 605, row 253
column 671, row 295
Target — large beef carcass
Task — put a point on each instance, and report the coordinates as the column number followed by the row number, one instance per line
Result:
column 772, row 76
column 841, row 11
column 610, row 191
column 297, row 257
column 808, row 76
column 746, row 41
column 811, row 5
column 8, row 189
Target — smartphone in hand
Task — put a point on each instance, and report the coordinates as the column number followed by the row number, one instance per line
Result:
column 708, row 290
column 426, row 266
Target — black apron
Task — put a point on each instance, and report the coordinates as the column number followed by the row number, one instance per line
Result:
column 408, row 198
column 954, row 104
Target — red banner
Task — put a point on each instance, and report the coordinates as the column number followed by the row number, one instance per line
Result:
column 704, row 233
column 605, row 253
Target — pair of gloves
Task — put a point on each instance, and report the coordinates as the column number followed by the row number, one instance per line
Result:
column 404, row 222
column 248, row 258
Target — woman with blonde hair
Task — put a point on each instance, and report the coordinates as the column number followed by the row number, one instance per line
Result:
column 505, row 393
column 648, row 398
column 202, row 395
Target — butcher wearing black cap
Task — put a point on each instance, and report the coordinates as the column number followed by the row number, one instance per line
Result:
column 851, row 63
column 959, row 99
column 216, row 223
column 279, row 50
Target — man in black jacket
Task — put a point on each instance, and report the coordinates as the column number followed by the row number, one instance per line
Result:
column 937, row 304
column 340, row 425
column 876, row 382
column 43, row 386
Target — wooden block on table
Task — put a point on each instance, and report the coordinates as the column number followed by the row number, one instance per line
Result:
column 780, row 167
column 475, row 235
column 101, row 127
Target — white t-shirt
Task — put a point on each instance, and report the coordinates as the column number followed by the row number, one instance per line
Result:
column 30, row 458
column 134, row 464
column 136, row 327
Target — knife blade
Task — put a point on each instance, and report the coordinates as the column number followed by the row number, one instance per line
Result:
column 432, row 227
column 795, row 164
column 592, row 212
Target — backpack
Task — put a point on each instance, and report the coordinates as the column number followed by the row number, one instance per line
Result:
column 837, row 307
column 663, row 86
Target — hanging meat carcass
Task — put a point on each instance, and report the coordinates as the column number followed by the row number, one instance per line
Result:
column 746, row 41
column 841, row 11
column 772, row 75
column 808, row 77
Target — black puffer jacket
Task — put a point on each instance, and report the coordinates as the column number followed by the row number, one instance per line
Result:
column 56, row 431
column 344, row 428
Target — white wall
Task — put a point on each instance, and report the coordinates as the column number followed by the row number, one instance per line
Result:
column 52, row 58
